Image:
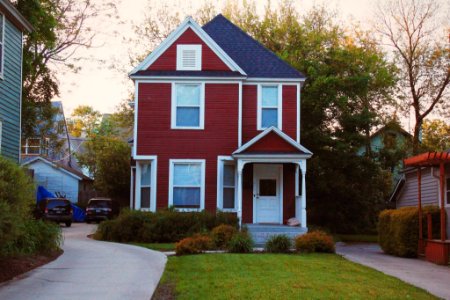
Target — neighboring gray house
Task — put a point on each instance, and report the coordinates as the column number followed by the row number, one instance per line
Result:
column 12, row 26
column 406, row 191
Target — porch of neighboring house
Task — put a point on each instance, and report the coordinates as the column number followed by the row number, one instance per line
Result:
column 435, row 250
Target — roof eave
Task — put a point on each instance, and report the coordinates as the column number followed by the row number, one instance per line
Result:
column 16, row 17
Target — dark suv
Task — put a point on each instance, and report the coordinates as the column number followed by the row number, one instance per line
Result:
column 55, row 209
column 99, row 209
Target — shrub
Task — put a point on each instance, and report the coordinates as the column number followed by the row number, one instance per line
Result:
column 315, row 241
column 193, row 245
column 241, row 242
column 165, row 226
column 398, row 229
column 278, row 244
column 222, row 235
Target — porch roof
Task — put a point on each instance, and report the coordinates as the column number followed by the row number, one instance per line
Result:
column 272, row 142
column 427, row 159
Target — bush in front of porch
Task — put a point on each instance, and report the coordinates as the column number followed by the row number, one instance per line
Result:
column 163, row 226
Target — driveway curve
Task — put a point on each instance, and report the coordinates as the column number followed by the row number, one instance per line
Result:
column 91, row 269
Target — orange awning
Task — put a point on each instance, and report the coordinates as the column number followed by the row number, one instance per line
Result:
column 427, row 159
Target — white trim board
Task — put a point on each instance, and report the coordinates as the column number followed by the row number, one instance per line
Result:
column 174, row 35
column 279, row 133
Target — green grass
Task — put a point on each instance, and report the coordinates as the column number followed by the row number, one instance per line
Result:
column 357, row 238
column 157, row 246
column 278, row 276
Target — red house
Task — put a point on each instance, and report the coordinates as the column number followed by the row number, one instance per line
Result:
column 217, row 127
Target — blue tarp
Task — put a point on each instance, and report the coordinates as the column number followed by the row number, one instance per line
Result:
column 78, row 213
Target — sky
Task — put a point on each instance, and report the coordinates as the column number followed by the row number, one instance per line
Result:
column 102, row 87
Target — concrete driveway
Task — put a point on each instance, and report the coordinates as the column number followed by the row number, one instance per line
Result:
column 91, row 269
column 433, row 278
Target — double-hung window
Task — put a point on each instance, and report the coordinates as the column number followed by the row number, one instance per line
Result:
column 145, row 185
column 2, row 44
column 226, row 184
column 269, row 106
column 187, row 188
column 188, row 106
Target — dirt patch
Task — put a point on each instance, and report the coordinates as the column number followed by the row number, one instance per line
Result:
column 164, row 291
column 14, row 266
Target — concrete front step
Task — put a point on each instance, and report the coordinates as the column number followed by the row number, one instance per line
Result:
column 261, row 233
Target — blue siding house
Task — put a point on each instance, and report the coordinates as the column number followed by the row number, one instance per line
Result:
column 12, row 26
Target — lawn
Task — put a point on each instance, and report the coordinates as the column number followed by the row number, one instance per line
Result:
column 157, row 246
column 278, row 276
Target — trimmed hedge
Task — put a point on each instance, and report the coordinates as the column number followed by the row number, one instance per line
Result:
column 398, row 229
column 222, row 235
column 194, row 245
column 165, row 226
column 315, row 241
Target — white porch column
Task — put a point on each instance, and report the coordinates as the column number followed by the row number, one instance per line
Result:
column 240, row 169
column 303, row 198
column 297, row 192
column 137, row 201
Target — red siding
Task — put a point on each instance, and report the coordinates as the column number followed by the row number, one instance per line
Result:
column 288, row 192
column 290, row 110
column 154, row 136
column 249, row 106
column 272, row 142
column 168, row 60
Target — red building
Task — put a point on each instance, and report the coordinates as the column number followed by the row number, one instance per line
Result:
column 217, row 126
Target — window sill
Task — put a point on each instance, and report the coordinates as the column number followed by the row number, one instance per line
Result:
column 187, row 128
column 188, row 209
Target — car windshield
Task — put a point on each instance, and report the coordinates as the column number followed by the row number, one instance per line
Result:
column 100, row 203
column 53, row 203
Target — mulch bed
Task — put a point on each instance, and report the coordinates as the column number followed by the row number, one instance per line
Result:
column 14, row 266
column 164, row 291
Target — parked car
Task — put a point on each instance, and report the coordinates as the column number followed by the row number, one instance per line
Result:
column 58, row 210
column 99, row 209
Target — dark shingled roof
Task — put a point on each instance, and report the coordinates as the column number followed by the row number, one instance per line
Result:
column 255, row 59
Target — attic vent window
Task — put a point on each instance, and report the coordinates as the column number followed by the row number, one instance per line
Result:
column 189, row 57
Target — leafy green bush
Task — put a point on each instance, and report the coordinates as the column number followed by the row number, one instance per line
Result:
column 222, row 235
column 19, row 234
column 193, row 245
column 398, row 229
column 164, row 226
column 280, row 243
column 315, row 241
column 241, row 242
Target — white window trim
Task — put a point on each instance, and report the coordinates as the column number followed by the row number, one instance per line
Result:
column 173, row 121
column 221, row 161
column 259, row 106
column 2, row 42
column 202, row 163
column 198, row 55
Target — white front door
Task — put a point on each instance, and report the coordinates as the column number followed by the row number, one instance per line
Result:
column 267, row 193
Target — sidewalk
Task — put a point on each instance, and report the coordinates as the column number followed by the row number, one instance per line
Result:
column 433, row 278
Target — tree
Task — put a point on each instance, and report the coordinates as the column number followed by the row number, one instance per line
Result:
column 108, row 159
column 60, row 28
column 422, row 54
column 84, row 121
column 435, row 135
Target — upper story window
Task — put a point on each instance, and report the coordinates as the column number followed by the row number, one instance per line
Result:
column 2, row 43
column 36, row 146
column 189, row 57
column 269, row 106
column 188, row 106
